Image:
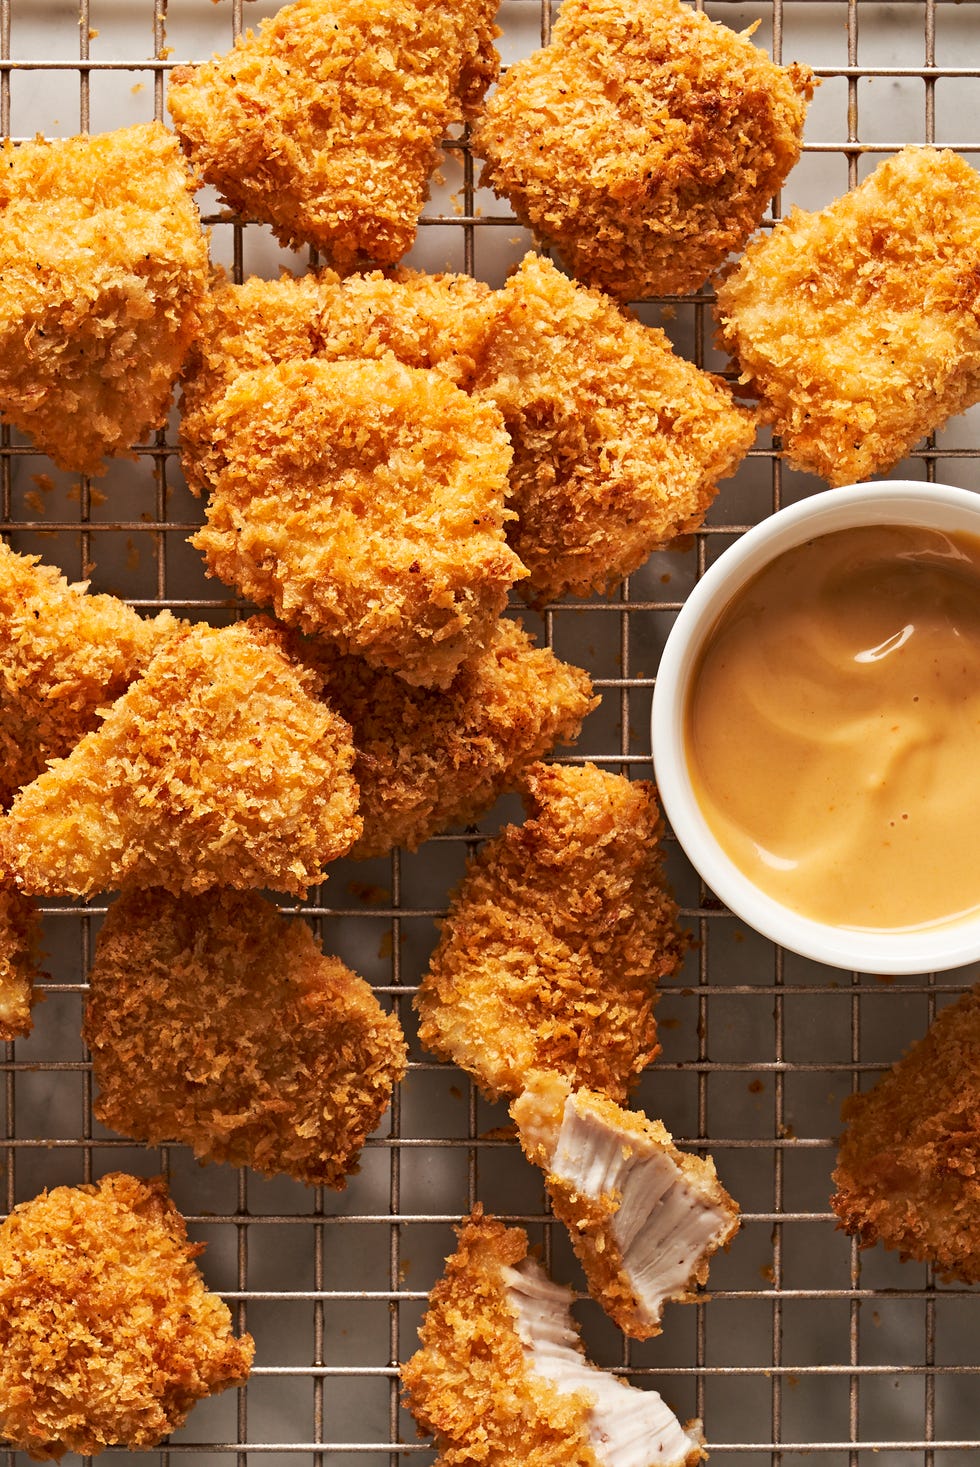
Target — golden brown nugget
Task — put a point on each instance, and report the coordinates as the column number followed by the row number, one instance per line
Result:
column 216, row 1021
column 644, row 142
column 365, row 501
column 426, row 758
column 908, row 1169
column 618, row 443
column 20, row 930
column 103, row 265
column 555, row 939
column 219, row 767
column 326, row 122
column 502, row 1377
column 64, row 655
column 108, row 1333
column 643, row 1217
column 857, row 327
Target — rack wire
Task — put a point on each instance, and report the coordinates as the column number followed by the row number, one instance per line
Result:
column 805, row 1345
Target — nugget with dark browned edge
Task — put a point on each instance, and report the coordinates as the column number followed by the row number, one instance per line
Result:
column 20, row 930
column 108, row 1333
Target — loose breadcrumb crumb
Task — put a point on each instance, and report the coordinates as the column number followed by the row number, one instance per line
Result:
column 20, row 930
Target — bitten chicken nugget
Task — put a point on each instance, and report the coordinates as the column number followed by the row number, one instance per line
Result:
column 216, row 1021
column 908, row 1171
column 618, row 443
column 20, row 929
column 108, row 1334
column 644, row 142
column 555, row 939
column 859, row 327
column 326, row 123
column 502, row 1377
column 365, row 501
column 219, row 767
column 103, row 264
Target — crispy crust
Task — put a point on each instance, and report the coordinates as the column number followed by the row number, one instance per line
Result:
column 326, row 122
column 554, row 942
column 644, row 142
column 108, row 1334
column 20, row 931
column 219, row 767
column 618, row 443
column 908, row 1169
column 262, row 1051
column 858, row 326
column 103, row 264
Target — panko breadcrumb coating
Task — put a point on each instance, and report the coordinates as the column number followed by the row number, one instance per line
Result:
column 427, row 759
column 555, row 939
column 63, row 656
column 365, row 501
column 326, row 123
column 502, row 1378
column 644, row 142
column 219, row 767
column 103, row 264
column 618, row 443
column 216, row 1021
column 108, row 1334
column 908, row 1169
column 858, row 326
column 20, row 929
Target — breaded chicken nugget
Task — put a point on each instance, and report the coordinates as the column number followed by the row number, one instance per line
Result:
column 644, row 142
column 502, row 1377
column 108, row 1334
column 103, row 264
column 555, row 939
column 20, row 929
column 643, row 1217
column 63, row 656
column 427, row 759
column 261, row 1051
column 326, row 123
column 365, row 501
column 859, row 327
column 618, row 443
column 908, row 1170
column 219, row 767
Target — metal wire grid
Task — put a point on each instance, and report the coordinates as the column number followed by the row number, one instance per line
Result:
column 759, row 1046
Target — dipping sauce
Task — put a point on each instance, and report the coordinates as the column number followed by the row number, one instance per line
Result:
column 833, row 728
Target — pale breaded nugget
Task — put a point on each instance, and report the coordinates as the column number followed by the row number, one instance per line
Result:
column 20, row 929
column 618, row 443
column 502, row 1377
column 644, row 142
column 555, row 939
column 216, row 1021
column 218, row 767
column 326, row 122
column 908, row 1170
column 365, row 501
column 108, row 1333
column 857, row 327
column 103, row 265
column 427, row 759
column 63, row 656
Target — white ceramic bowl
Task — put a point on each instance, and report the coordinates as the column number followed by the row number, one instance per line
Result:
column 899, row 502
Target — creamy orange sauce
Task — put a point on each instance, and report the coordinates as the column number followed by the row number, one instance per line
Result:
column 833, row 728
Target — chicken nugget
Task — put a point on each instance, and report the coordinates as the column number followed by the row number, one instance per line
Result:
column 908, row 1169
column 618, row 443
column 643, row 1217
column 216, row 1021
column 502, row 1377
column 365, row 501
column 555, row 939
column 859, row 327
column 218, row 767
column 108, row 1333
column 326, row 123
column 644, row 141
column 20, row 930
column 103, row 265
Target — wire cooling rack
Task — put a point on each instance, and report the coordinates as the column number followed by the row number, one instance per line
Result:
column 805, row 1345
